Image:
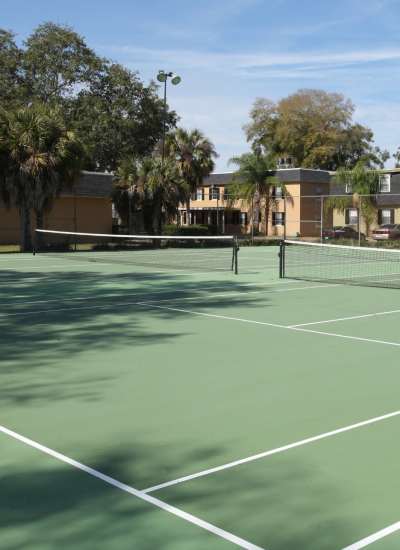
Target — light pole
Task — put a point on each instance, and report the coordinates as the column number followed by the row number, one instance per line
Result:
column 163, row 76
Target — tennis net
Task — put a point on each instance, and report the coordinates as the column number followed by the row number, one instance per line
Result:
column 202, row 253
column 364, row 266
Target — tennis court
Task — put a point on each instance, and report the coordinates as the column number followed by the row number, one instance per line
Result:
column 147, row 407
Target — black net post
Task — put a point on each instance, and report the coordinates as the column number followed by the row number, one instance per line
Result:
column 235, row 267
column 282, row 260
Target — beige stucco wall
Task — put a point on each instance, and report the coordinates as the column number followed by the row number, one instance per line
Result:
column 339, row 218
column 93, row 215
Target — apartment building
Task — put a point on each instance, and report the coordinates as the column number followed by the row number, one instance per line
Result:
column 387, row 203
column 297, row 214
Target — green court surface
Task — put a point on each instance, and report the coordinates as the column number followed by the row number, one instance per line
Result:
column 168, row 409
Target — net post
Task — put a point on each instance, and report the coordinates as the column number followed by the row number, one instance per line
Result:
column 282, row 259
column 34, row 244
column 235, row 255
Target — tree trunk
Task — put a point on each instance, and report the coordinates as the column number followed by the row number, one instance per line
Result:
column 26, row 233
column 39, row 225
column 188, row 211
column 267, row 208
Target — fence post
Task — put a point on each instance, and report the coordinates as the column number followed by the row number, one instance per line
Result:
column 359, row 221
column 321, row 236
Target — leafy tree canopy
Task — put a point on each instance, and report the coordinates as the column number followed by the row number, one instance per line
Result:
column 117, row 117
column 315, row 128
column 10, row 68
column 56, row 61
column 114, row 114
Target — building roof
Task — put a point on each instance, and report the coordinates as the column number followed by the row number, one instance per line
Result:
column 285, row 175
column 91, row 184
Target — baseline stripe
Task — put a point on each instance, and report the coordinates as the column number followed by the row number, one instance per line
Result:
column 149, row 303
column 271, row 452
column 131, row 490
column 375, row 537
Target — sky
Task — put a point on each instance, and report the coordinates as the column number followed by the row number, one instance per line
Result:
column 230, row 52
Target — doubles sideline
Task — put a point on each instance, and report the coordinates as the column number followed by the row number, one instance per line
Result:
column 242, row 543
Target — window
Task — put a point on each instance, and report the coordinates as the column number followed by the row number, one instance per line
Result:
column 386, row 215
column 214, row 193
column 226, row 193
column 183, row 217
column 351, row 216
column 278, row 218
column 243, row 218
column 277, row 192
column 200, row 194
column 384, row 183
column 235, row 218
column 349, row 187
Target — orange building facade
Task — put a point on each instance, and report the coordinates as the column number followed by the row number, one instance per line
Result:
column 298, row 214
column 86, row 207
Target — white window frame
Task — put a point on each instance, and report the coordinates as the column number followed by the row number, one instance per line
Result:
column 350, row 210
column 389, row 211
column 349, row 187
column 277, row 192
column 200, row 194
column 281, row 221
column 215, row 193
column 385, row 183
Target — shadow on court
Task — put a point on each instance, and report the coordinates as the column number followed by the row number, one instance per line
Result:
column 45, row 317
column 290, row 507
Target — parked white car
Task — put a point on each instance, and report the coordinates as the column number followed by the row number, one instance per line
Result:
column 387, row 231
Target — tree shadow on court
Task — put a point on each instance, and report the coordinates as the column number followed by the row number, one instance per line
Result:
column 280, row 504
column 47, row 317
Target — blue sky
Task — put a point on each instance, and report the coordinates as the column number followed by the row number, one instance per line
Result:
column 229, row 52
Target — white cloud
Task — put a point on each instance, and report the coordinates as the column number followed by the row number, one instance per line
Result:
column 219, row 88
column 236, row 61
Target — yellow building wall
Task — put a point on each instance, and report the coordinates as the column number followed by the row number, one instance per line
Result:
column 339, row 218
column 93, row 215
column 9, row 225
column 293, row 209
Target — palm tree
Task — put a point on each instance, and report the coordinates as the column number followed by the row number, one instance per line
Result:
column 195, row 155
column 39, row 156
column 127, row 195
column 253, row 182
column 163, row 187
column 364, row 185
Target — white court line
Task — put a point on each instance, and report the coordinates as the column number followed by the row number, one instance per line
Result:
column 139, row 293
column 151, row 303
column 131, row 490
column 241, row 320
column 336, row 335
column 375, row 537
column 391, row 312
column 271, row 452
column 42, row 267
column 237, row 292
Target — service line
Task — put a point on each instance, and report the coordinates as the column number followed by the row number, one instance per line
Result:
column 272, row 452
column 132, row 491
column 375, row 537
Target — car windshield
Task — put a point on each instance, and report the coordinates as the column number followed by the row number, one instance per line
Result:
column 388, row 226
